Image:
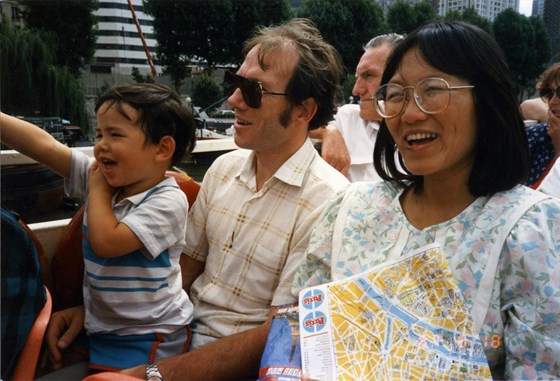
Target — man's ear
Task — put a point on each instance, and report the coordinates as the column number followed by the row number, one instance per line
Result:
column 166, row 148
column 305, row 111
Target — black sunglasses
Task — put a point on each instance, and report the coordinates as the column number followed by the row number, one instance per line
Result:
column 252, row 91
column 547, row 94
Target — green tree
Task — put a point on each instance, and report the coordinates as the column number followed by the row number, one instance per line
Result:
column 516, row 36
column 184, row 31
column 347, row 25
column 139, row 78
column 424, row 12
column 73, row 27
column 185, row 34
column 249, row 14
column 274, row 11
column 206, row 91
column 346, row 87
column 401, row 17
column 246, row 14
column 36, row 86
column 453, row 15
column 472, row 17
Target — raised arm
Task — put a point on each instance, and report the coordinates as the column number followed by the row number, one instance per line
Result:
column 333, row 147
column 36, row 143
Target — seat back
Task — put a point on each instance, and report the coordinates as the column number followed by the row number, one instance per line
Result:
column 187, row 185
column 67, row 267
column 29, row 356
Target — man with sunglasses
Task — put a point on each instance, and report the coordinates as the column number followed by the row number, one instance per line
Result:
column 251, row 223
column 348, row 140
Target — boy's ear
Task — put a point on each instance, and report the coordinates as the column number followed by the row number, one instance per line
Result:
column 166, row 148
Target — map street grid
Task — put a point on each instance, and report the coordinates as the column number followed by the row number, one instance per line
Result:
column 405, row 320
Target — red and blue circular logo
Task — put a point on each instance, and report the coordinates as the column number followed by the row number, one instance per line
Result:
column 312, row 299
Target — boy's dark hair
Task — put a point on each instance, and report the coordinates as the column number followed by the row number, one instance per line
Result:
column 501, row 150
column 160, row 112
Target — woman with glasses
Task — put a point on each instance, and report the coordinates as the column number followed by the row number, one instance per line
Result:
column 544, row 138
column 451, row 119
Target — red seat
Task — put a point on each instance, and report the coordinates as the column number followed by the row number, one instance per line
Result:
column 29, row 356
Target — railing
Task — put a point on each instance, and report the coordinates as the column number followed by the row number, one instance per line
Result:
column 11, row 157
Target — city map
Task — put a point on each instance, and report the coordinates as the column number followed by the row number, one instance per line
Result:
column 404, row 320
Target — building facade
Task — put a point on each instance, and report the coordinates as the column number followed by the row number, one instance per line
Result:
column 10, row 10
column 120, row 45
column 488, row 9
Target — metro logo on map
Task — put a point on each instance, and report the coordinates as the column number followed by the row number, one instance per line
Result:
column 312, row 299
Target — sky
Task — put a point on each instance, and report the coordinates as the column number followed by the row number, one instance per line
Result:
column 525, row 7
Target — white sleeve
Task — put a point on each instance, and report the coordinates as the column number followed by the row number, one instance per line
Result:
column 551, row 183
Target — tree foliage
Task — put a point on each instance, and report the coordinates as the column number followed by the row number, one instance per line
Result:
column 183, row 30
column 208, row 31
column 519, row 40
column 248, row 14
column 401, row 17
column 36, row 86
column 424, row 12
column 73, row 27
column 472, row 17
column 139, row 78
column 206, row 91
column 347, row 25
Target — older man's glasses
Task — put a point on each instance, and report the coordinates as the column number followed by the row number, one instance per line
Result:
column 547, row 94
column 431, row 95
column 252, row 91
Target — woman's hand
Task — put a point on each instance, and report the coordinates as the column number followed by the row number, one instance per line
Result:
column 553, row 128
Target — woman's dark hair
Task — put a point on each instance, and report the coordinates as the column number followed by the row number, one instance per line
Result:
column 501, row 150
column 160, row 112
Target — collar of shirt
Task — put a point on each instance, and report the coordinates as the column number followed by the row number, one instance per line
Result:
column 138, row 198
column 291, row 172
column 371, row 124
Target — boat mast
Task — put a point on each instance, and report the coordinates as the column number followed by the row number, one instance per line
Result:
column 146, row 49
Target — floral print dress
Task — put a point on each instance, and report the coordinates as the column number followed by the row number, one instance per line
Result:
column 521, row 331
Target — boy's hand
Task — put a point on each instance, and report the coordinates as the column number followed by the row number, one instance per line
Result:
column 98, row 182
column 63, row 329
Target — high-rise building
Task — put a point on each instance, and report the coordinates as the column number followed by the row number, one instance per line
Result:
column 11, row 11
column 538, row 8
column 120, row 46
column 488, row 9
column 551, row 18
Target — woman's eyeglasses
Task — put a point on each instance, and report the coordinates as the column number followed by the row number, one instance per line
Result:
column 547, row 94
column 252, row 91
column 431, row 95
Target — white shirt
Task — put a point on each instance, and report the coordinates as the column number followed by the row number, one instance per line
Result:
column 551, row 183
column 359, row 137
